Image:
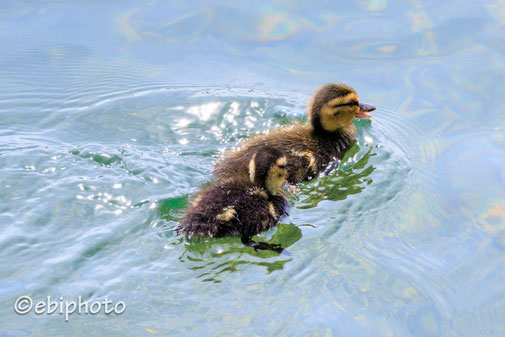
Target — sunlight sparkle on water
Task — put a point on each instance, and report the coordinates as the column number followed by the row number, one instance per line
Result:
column 204, row 111
column 182, row 123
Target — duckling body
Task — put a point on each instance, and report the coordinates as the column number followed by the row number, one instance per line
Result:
column 307, row 152
column 232, row 207
column 311, row 147
column 240, row 205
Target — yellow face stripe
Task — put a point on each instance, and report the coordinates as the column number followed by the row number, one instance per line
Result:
column 331, row 120
column 343, row 100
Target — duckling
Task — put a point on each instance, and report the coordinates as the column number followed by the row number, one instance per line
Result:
column 311, row 147
column 241, row 205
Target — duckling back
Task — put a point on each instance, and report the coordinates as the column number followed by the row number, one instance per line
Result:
column 232, row 207
column 308, row 153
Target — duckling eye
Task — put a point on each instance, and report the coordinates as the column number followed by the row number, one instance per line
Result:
column 282, row 166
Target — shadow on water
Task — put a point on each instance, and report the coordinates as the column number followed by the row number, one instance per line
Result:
column 214, row 258
column 340, row 183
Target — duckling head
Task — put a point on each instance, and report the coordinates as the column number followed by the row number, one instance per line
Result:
column 267, row 168
column 334, row 106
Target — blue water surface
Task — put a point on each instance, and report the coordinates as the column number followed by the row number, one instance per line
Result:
column 113, row 113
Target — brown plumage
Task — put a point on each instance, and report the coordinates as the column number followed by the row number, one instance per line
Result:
column 240, row 205
column 309, row 148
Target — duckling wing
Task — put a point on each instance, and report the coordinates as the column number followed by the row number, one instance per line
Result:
column 295, row 142
column 254, row 213
column 212, row 212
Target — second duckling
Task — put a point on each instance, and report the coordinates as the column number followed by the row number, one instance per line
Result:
column 240, row 205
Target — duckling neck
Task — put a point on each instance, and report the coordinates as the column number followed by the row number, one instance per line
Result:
column 349, row 131
column 331, row 144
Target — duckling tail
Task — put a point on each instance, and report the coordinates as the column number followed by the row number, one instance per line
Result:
column 196, row 225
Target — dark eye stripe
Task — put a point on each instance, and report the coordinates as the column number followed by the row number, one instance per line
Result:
column 282, row 166
column 352, row 103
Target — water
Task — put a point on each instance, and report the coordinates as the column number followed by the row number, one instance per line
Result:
column 113, row 114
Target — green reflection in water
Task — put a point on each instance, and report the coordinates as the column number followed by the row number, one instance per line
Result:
column 170, row 209
column 218, row 257
column 104, row 159
column 215, row 258
column 341, row 183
